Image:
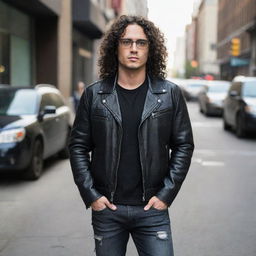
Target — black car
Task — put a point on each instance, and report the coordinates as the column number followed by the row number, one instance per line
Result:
column 211, row 96
column 34, row 125
column 239, row 109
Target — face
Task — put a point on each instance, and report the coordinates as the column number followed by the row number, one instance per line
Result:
column 133, row 56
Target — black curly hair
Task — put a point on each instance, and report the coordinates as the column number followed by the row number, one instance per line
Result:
column 156, row 63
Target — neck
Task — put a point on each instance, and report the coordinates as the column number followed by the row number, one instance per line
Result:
column 131, row 79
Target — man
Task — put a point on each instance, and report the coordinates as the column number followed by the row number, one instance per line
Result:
column 129, row 122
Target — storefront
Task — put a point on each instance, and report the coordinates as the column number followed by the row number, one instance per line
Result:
column 16, row 46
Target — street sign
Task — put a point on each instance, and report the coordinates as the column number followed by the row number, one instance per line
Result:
column 238, row 62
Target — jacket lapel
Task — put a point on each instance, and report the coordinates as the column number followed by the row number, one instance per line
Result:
column 109, row 98
column 152, row 100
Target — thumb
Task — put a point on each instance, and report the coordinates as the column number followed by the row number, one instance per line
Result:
column 109, row 205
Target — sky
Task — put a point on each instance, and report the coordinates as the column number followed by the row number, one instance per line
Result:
column 171, row 16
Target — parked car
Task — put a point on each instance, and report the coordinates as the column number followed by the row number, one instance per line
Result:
column 192, row 88
column 211, row 96
column 239, row 109
column 34, row 125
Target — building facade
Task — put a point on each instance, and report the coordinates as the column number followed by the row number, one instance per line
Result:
column 237, row 20
column 29, row 41
column 135, row 7
column 179, row 58
column 207, row 37
column 56, row 42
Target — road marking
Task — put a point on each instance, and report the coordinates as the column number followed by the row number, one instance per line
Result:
column 207, row 163
column 215, row 152
column 206, row 124
column 212, row 163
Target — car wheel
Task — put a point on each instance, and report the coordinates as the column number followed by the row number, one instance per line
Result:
column 64, row 153
column 239, row 127
column 35, row 167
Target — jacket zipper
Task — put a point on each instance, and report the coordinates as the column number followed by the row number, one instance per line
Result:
column 118, row 160
column 143, row 177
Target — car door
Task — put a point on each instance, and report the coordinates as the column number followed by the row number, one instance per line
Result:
column 232, row 102
column 62, row 115
column 49, row 125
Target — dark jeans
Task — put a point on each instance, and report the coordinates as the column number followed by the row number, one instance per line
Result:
column 150, row 231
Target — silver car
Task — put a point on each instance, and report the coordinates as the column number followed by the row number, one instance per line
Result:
column 211, row 97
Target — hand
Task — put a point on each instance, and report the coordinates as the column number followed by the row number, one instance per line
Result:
column 101, row 203
column 156, row 203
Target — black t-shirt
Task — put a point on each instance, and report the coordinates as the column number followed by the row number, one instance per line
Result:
column 129, row 175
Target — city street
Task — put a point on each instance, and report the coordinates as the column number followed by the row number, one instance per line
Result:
column 213, row 215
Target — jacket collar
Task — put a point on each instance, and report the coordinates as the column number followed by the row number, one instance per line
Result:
column 156, row 86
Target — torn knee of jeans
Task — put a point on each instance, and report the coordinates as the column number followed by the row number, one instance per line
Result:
column 162, row 235
column 98, row 238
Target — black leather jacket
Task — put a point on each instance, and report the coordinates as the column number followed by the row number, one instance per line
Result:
column 164, row 134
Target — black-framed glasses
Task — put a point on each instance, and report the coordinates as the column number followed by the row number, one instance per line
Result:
column 140, row 43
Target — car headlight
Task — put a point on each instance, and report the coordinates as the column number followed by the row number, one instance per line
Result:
column 12, row 135
column 250, row 109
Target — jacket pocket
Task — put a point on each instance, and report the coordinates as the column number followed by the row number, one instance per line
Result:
column 99, row 114
column 161, row 112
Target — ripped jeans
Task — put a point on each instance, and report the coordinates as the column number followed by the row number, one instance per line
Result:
column 150, row 231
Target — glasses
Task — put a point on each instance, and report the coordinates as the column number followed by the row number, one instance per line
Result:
column 128, row 43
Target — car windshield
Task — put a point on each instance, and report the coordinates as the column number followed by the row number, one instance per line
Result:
column 219, row 88
column 17, row 102
column 195, row 85
column 249, row 89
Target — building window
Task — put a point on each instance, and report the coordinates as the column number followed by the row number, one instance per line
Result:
column 15, row 46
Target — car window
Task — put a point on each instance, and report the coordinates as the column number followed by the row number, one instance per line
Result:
column 219, row 87
column 18, row 102
column 249, row 89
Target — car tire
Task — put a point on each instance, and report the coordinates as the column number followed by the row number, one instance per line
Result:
column 35, row 168
column 240, row 132
column 64, row 153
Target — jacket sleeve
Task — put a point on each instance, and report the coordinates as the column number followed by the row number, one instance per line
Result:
column 80, row 147
column 182, row 146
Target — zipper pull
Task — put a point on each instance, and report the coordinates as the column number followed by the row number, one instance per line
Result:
column 143, row 198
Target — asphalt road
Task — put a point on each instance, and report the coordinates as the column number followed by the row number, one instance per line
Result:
column 213, row 215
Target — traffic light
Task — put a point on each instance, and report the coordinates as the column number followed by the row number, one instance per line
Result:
column 235, row 46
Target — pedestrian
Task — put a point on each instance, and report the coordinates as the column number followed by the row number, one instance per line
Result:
column 125, row 128
column 78, row 93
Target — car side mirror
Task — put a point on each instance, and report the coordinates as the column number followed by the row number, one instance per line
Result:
column 49, row 110
column 233, row 93
column 45, row 111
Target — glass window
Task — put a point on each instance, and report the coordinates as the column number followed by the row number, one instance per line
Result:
column 219, row 87
column 249, row 89
column 4, row 59
column 18, row 102
column 15, row 46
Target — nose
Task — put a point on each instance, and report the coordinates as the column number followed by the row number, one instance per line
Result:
column 134, row 46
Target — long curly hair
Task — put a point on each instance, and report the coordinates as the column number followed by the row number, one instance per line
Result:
column 156, row 63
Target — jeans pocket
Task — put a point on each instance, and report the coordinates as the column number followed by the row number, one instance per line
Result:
column 158, row 210
column 100, row 211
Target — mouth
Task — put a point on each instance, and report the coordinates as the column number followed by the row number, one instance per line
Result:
column 133, row 58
